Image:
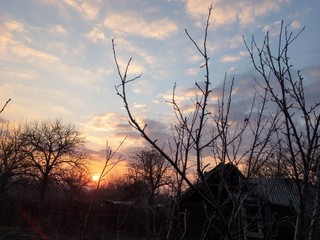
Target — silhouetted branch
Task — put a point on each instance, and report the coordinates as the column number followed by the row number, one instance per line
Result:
column 5, row 105
column 105, row 170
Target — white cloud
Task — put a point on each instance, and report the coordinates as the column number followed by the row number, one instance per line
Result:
column 129, row 46
column 32, row 55
column 13, row 25
column 251, row 10
column 230, row 58
column 198, row 8
column 296, row 25
column 96, row 35
column 129, row 23
column 195, row 57
column 7, row 29
column 266, row 28
column 231, row 69
column 167, row 97
column 108, row 121
column 111, row 126
column 61, row 110
column 103, row 72
column 88, row 9
column 143, row 86
column 229, row 11
column 135, row 67
column 50, row 69
column 139, row 107
column 13, row 47
column 181, row 95
column 4, row 42
column 235, row 41
column 273, row 29
column 58, row 29
column 25, row 76
column 192, row 71
column 233, row 58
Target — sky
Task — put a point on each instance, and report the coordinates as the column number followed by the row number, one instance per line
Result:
column 56, row 59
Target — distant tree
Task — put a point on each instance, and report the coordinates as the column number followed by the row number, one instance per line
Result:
column 151, row 169
column 274, row 166
column 151, row 175
column 112, row 188
column 12, row 159
column 125, row 188
column 73, row 181
column 50, row 149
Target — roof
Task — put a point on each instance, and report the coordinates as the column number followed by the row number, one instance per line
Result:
column 280, row 191
column 230, row 172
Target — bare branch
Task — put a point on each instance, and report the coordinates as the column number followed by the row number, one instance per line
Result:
column 5, row 105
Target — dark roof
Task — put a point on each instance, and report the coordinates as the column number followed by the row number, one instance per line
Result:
column 227, row 168
column 231, row 174
column 280, row 191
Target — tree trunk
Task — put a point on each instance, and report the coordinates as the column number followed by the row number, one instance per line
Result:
column 43, row 188
column 298, row 234
column 314, row 220
column 299, row 225
column 312, row 233
column 3, row 183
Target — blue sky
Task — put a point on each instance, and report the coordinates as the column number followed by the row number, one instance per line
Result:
column 57, row 62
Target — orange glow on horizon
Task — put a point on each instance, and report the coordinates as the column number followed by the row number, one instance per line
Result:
column 95, row 177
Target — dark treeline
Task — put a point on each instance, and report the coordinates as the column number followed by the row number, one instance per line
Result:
column 118, row 212
column 47, row 191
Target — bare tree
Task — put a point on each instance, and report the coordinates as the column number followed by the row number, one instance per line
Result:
column 299, row 132
column 73, row 181
column 209, row 127
column 151, row 168
column 12, row 164
column 52, row 147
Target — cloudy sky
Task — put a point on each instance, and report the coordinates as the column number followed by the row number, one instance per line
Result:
column 56, row 57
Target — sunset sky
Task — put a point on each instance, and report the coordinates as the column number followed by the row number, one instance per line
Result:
column 56, row 57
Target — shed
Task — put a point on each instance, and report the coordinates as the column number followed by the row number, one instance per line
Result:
column 261, row 208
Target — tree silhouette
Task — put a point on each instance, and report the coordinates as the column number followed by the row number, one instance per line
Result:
column 51, row 147
column 149, row 167
column 207, row 129
column 12, row 159
column 299, row 138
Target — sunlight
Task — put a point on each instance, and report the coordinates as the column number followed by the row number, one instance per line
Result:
column 95, row 178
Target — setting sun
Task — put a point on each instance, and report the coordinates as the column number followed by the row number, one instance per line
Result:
column 95, row 178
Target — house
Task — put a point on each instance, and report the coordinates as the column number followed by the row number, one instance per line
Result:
column 246, row 209
column 195, row 213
